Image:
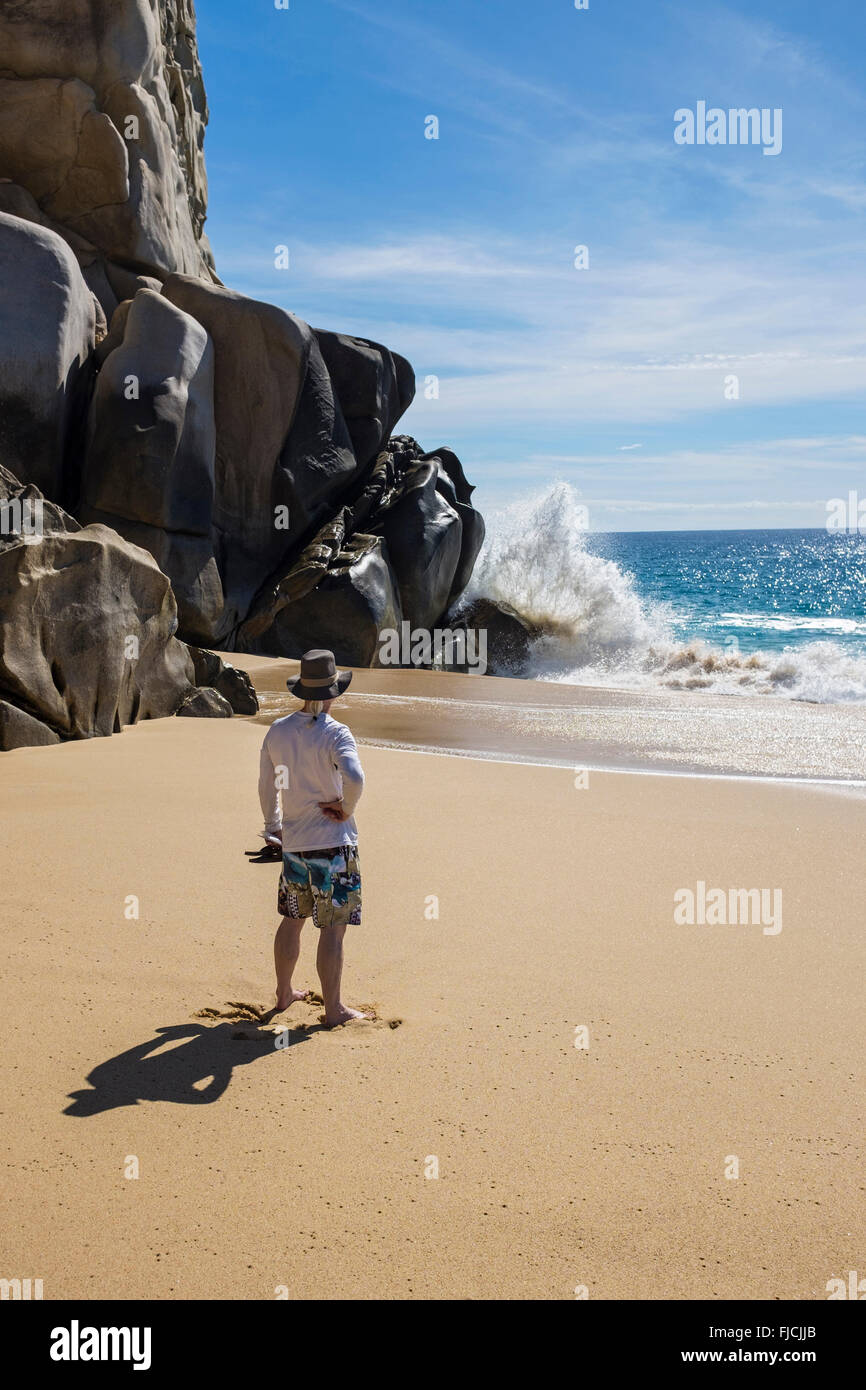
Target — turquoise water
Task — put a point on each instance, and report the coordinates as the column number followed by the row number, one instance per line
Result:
column 764, row 590
column 764, row 612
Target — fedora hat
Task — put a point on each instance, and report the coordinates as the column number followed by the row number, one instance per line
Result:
column 319, row 678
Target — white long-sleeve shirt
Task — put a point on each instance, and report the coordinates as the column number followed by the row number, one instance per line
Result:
column 305, row 761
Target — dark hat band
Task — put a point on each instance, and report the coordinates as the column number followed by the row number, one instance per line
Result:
column 319, row 680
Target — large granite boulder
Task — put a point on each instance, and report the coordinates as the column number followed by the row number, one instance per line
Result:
column 433, row 532
column 353, row 602
column 18, row 729
column 109, row 283
column 189, row 562
column 453, row 484
column 234, row 685
column 424, row 535
column 47, row 333
column 509, row 637
column 283, row 451
column 374, row 387
column 102, row 118
column 151, row 439
column 19, row 202
column 87, row 638
column 149, row 462
column 205, row 704
column 342, row 578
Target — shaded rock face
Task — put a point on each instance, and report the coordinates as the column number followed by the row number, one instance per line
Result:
column 151, row 443
column 509, row 637
column 87, row 638
column 20, row 730
column 210, row 465
column 47, row 335
column 425, row 537
column 433, row 532
column 373, row 385
column 283, row 450
column 347, row 577
column 354, row 599
column 231, row 683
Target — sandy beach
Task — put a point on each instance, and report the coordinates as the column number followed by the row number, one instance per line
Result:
column 309, row 1170
column 513, row 357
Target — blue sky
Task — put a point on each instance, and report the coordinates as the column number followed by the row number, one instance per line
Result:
column 556, row 130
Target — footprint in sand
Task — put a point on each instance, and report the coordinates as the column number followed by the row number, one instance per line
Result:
column 237, row 1009
column 260, row 1018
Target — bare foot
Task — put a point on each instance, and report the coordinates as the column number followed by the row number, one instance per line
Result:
column 294, row 996
column 344, row 1015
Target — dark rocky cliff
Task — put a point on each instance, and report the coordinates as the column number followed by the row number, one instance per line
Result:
column 249, row 456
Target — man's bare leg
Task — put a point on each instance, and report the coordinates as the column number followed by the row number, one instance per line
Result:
column 287, row 948
column 329, row 963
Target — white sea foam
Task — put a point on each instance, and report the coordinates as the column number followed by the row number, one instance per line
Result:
column 596, row 630
column 794, row 622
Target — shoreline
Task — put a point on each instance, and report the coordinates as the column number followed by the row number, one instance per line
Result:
column 692, row 774
column 691, row 733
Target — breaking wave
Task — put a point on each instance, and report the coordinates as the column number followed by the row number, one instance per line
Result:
column 594, row 628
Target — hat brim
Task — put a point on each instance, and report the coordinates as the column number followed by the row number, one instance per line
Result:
column 319, row 692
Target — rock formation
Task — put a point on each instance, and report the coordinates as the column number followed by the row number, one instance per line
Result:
column 398, row 549
column 509, row 637
column 148, row 468
column 232, row 684
column 102, row 119
column 87, row 625
column 211, row 467
column 47, row 336
column 205, row 704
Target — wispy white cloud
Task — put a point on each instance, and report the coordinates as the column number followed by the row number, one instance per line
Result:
column 704, row 264
column 835, row 455
column 515, row 331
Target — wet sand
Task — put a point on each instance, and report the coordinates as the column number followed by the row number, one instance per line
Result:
column 580, row 726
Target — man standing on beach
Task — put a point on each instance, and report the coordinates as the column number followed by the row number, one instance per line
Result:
column 310, row 781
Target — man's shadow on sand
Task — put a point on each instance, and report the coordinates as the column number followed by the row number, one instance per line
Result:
column 195, row 1072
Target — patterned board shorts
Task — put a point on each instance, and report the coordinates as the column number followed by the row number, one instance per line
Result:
column 324, row 884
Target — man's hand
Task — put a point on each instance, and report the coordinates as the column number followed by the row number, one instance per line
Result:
column 333, row 810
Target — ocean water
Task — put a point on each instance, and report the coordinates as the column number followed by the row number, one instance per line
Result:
column 763, row 612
